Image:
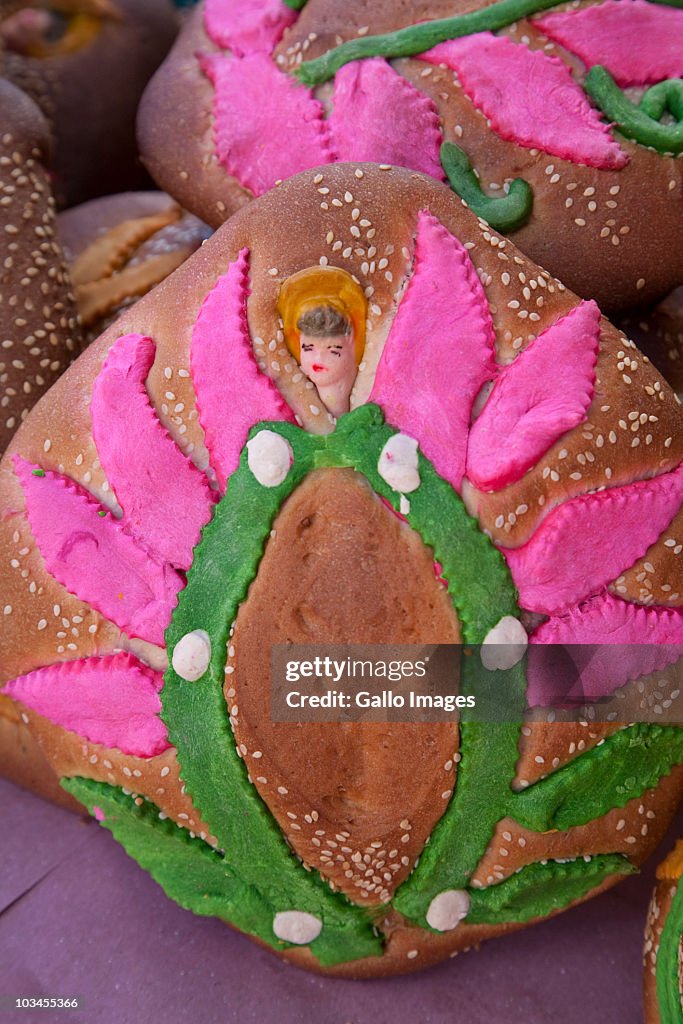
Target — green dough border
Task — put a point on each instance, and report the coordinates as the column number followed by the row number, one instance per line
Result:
column 415, row 39
column 666, row 970
column 504, row 213
column 489, row 752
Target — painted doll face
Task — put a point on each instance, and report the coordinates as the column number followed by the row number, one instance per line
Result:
column 328, row 359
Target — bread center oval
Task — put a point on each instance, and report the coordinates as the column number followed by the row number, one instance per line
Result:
column 355, row 800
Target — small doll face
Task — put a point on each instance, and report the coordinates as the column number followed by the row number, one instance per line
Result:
column 328, row 359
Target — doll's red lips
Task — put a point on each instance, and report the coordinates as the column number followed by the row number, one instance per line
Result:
column 317, row 367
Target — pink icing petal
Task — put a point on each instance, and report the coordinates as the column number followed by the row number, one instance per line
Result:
column 112, row 700
column 544, row 393
column 586, row 543
column 249, row 26
column 165, row 499
column 610, row 641
column 232, row 393
column 267, row 125
column 529, row 98
column 94, row 558
column 439, row 351
column 637, row 41
column 98, row 813
column 380, row 117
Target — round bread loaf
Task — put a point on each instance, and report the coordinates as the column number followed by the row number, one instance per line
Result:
column 86, row 63
column 663, row 952
column 549, row 114
column 333, row 425
column 119, row 247
column 39, row 329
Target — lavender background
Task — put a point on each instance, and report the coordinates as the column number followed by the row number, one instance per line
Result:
column 78, row 917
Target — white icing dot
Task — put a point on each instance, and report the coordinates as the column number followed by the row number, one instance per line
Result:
column 269, row 456
column 505, row 644
column 398, row 464
column 297, row 926
column 404, row 506
column 192, row 655
column 448, row 909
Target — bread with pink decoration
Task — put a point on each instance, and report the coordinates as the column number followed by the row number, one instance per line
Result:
column 278, row 445
column 559, row 125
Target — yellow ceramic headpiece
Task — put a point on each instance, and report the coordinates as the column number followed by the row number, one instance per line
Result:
column 322, row 286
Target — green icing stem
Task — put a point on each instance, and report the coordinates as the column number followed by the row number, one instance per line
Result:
column 640, row 122
column 539, row 889
column 607, row 776
column 504, row 213
column 224, row 564
column 663, row 97
column 666, row 971
column 406, row 42
column 296, row 5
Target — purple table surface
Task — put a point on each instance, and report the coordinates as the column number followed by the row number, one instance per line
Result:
column 79, row 918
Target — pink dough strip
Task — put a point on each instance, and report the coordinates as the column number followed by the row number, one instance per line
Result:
column 249, row 26
column 586, row 543
column 93, row 557
column 267, row 126
column 380, row 117
column 439, row 351
column 232, row 393
column 637, row 41
column 536, row 399
column 112, row 700
column 165, row 499
column 529, row 98
column 610, row 641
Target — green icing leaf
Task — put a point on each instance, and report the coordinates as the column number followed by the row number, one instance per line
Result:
column 640, row 122
column 539, row 889
column 188, row 870
column 504, row 213
column 200, row 879
column 296, row 5
column 607, row 776
column 489, row 754
column 667, row 969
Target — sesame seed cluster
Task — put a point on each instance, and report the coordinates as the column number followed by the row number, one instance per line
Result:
column 39, row 330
